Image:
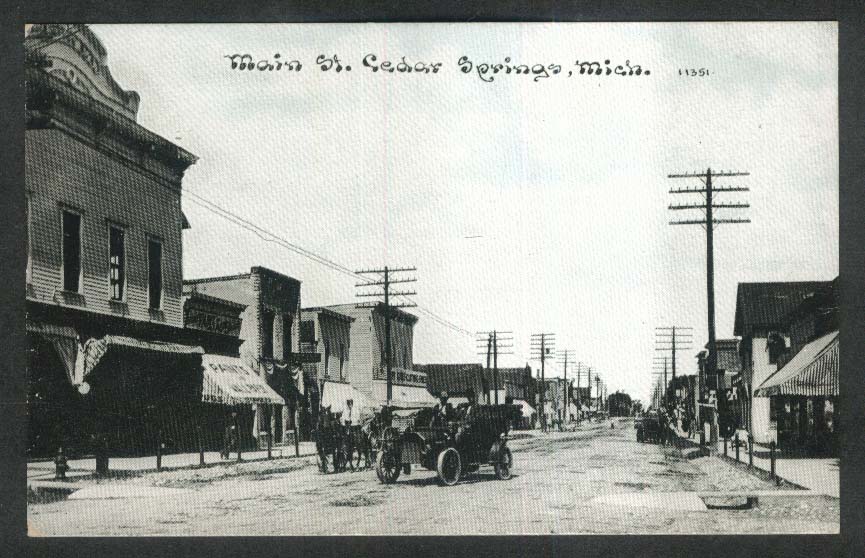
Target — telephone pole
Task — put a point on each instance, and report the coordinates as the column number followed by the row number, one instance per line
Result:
column 672, row 339
column 542, row 348
column 385, row 281
column 661, row 370
column 589, row 385
column 495, row 341
column 708, row 222
column 598, row 392
column 563, row 359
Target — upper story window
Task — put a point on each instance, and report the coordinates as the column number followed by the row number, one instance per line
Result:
column 71, row 251
column 341, row 361
column 154, row 273
column 117, row 262
column 287, row 320
column 326, row 357
column 267, row 318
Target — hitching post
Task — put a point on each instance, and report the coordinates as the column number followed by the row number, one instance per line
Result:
column 750, row 451
column 736, row 441
column 159, row 450
column 237, row 436
column 269, row 437
column 725, row 446
column 772, row 458
column 200, row 445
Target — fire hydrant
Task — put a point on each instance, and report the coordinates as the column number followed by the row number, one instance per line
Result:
column 61, row 465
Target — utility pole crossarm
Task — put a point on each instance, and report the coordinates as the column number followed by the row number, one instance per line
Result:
column 723, row 205
column 705, row 221
column 703, row 174
column 381, row 283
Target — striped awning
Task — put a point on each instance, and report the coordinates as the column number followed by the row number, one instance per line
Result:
column 228, row 381
column 812, row 372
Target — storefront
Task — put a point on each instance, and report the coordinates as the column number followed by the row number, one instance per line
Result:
column 803, row 396
column 336, row 397
column 230, row 391
column 402, row 395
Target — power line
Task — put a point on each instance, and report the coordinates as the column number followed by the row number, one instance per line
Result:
column 269, row 236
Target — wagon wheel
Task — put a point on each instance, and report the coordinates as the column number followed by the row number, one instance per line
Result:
column 387, row 467
column 449, row 466
column 504, row 463
column 389, row 436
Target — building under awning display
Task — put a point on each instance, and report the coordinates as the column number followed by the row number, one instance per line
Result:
column 335, row 396
column 812, row 372
column 228, row 381
column 403, row 396
column 525, row 408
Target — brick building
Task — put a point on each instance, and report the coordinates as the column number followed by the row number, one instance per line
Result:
column 110, row 366
column 270, row 342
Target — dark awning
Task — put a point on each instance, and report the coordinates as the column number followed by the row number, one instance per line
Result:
column 95, row 349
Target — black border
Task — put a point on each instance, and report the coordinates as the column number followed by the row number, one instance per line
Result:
column 851, row 16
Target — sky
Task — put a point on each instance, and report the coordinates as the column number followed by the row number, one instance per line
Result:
column 526, row 206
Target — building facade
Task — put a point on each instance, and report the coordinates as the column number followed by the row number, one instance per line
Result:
column 760, row 312
column 367, row 360
column 270, row 341
column 803, row 392
column 111, row 369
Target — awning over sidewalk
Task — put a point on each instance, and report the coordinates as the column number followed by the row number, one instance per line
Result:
column 403, row 396
column 64, row 339
column 812, row 372
column 336, row 395
column 228, row 381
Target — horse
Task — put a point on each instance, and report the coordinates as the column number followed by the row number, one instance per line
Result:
column 360, row 443
column 329, row 441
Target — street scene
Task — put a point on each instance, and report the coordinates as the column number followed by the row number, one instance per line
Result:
column 293, row 286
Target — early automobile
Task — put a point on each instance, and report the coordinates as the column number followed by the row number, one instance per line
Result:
column 649, row 427
column 451, row 445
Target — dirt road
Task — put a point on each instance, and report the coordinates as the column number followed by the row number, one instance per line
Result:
column 563, row 483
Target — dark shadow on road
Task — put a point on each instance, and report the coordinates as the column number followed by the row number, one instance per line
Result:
column 469, row 479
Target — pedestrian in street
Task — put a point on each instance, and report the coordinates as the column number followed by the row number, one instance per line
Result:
column 662, row 419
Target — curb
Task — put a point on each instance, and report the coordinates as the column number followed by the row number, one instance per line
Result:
column 755, row 471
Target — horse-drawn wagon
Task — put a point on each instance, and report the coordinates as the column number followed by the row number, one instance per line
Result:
column 450, row 445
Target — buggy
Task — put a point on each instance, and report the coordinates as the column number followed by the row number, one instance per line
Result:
column 649, row 428
column 449, row 445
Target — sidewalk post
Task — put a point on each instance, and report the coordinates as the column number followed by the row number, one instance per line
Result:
column 725, row 446
column 750, row 451
column 238, row 438
column 159, row 450
column 269, row 445
column 200, row 445
column 736, row 441
column 772, row 458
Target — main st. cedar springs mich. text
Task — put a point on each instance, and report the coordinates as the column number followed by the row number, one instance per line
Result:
column 486, row 71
